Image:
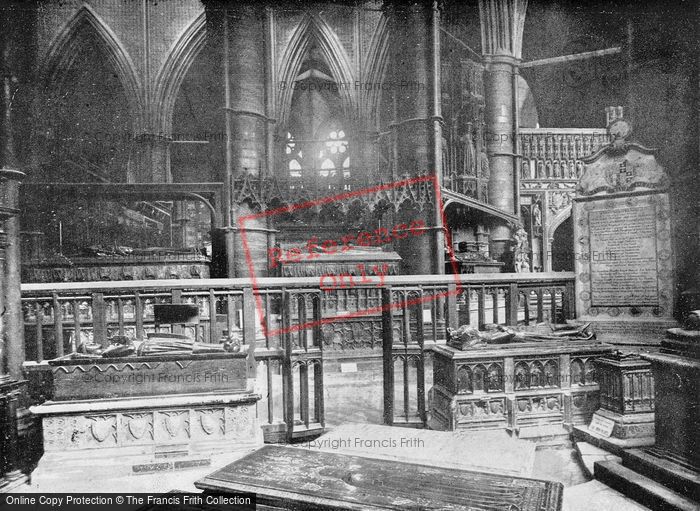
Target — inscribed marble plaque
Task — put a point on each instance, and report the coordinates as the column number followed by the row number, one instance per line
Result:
column 623, row 257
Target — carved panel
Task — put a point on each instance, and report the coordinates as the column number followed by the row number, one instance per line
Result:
column 481, row 410
column 208, row 423
column 172, row 426
column 136, row 428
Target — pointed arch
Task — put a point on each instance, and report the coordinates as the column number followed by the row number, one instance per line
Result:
column 377, row 66
column 174, row 70
column 67, row 44
column 313, row 28
column 558, row 219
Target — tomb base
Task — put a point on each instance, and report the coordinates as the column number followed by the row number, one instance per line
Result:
column 130, row 436
column 666, row 475
column 629, row 332
column 531, row 388
column 626, row 410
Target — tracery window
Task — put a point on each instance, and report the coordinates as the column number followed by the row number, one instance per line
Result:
column 329, row 155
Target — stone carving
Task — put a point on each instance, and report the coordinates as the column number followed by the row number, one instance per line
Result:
column 172, row 425
column 164, row 426
column 212, row 421
column 621, row 166
column 260, row 192
column 237, row 422
column 137, row 427
column 521, row 250
column 103, row 427
column 83, row 269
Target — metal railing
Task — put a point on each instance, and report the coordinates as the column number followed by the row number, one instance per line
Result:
column 299, row 318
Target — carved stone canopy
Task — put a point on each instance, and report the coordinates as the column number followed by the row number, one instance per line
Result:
column 621, row 167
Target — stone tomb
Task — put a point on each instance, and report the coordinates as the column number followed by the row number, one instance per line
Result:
column 292, row 478
column 667, row 475
column 521, row 386
column 121, row 416
column 625, row 418
column 622, row 232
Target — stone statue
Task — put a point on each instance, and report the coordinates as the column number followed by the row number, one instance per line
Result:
column 525, row 170
column 540, row 169
column 521, row 249
column 484, row 168
column 469, row 152
column 537, row 215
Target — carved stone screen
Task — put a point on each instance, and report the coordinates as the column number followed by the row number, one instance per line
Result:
column 623, row 257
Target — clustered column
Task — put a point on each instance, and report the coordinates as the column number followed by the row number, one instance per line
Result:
column 239, row 31
column 417, row 126
column 502, row 24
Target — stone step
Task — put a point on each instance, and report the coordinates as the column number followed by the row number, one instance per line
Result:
column 550, row 435
column 678, row 478
column 589, row 454
column 611, row 444
column 595, row 495
column 642, row 489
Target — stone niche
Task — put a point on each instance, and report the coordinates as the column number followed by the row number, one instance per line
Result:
column 622, row 232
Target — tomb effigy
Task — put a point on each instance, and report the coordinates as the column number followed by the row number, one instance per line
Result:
column 515, row 379
column 169, row 403
column 622, row 231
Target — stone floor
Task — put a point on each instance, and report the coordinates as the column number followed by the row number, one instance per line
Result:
column 353, row 403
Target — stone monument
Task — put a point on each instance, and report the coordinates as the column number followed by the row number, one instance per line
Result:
column 667, row 475
column 622, row 232
column 625, row 418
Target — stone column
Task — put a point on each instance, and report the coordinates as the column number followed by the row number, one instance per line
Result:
column 239, row 29
column 501, row 39
column 418, row 123
column 150, row 159
column 11, row 331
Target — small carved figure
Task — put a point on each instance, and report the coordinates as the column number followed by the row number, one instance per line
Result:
column 525, row 170
column 537, row 215
column 520, row 251
column 540, row 170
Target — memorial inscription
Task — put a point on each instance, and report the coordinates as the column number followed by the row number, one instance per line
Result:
column 623, row 257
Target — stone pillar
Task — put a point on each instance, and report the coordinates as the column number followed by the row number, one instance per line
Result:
column 11, row 327
column 150, row 159
column 417, row 128
column 501, row 39
column 239, row 29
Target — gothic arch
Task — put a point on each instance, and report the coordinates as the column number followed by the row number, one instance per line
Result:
column 377, row 65
column 173, row 71
column 558, row 219
column 312, row 28
column 66, row 45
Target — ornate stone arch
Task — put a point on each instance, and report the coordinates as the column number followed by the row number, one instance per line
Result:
column 549, row 231
column 312, row 28
column 557, row 220
column 66, row 45
column 173, row 71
